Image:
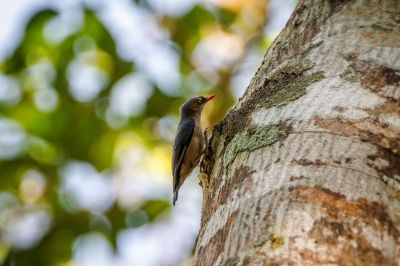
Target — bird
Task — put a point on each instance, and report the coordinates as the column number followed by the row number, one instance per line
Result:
column 189, row 141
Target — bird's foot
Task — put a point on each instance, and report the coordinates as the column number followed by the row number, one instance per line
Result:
column 205, row 134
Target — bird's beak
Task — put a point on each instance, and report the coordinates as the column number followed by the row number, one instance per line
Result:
column 209, row 98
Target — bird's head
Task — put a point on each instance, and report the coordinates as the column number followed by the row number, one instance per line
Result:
column 195, row 105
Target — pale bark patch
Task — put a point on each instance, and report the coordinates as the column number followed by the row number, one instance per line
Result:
column 331, row 97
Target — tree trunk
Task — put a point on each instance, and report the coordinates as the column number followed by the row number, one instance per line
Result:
column 305, row 169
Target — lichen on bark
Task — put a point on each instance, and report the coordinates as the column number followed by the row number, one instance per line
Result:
column 292, row 90
column 253, row 140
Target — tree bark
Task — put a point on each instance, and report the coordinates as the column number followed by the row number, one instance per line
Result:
column 305, row 169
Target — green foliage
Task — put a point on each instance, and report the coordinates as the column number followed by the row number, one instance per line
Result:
column 70, row 130
column 154, row 208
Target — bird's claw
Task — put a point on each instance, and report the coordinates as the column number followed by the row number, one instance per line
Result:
column 205, row 131
column 205, row 134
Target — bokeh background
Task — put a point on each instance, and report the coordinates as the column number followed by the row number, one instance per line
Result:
column 89, row 102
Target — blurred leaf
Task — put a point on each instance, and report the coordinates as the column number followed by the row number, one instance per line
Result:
column 187, row 31
column 32, row 40
column 116, row 217
column 95, row 29
column 102, row 148
column 4, row 252
column 154, row 208
column 136, row 218
column 226, row 17
column 159, row 104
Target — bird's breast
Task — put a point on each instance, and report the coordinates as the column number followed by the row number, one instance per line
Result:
column 193, row 152
column 196, row 146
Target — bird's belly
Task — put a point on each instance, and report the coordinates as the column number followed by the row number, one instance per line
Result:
column 191, row 158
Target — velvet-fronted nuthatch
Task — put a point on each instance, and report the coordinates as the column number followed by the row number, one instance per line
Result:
column 189, row 141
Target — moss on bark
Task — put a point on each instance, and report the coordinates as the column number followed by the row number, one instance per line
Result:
column 253, row 140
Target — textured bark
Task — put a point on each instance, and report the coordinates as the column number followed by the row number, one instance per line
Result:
column 305, row 169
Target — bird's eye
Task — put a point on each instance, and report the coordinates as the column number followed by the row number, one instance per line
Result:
column 200, row 100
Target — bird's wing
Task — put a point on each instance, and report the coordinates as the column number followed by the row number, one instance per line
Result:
column 182, row 141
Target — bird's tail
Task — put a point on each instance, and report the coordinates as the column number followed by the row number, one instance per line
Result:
column 175, row 197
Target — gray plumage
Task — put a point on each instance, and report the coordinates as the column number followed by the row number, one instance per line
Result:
column 189, row 141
